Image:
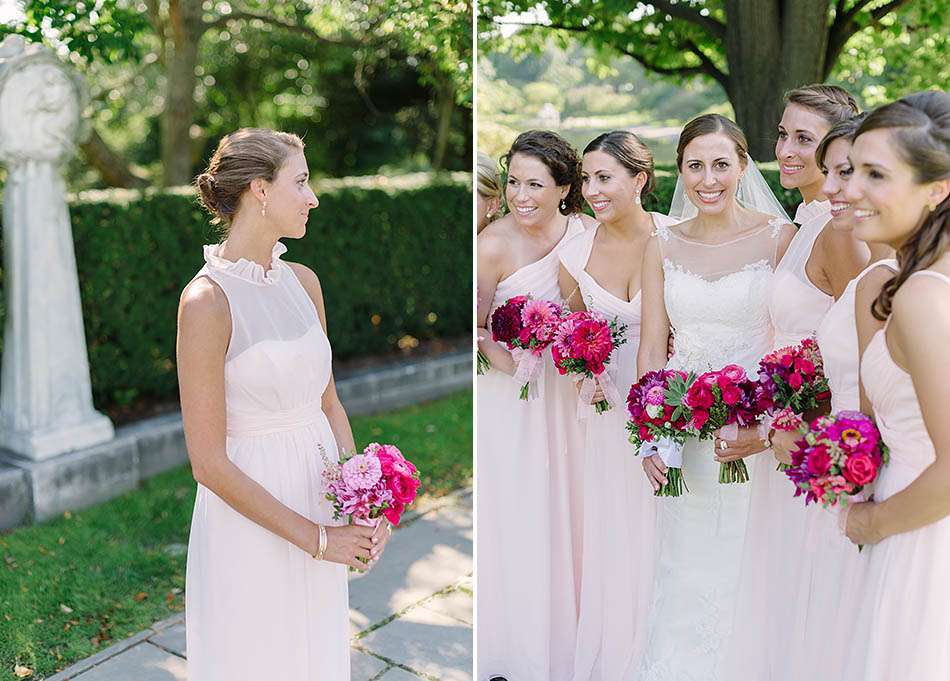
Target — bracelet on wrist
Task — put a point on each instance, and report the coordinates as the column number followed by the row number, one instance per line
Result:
column 322, row 546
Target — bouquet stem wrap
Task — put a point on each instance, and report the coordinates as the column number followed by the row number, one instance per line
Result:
column 589, row 386
column 671, row 454
column 528, row 372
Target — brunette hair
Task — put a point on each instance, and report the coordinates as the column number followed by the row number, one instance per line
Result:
column 709, row 124
column 833, row 103
column 845, row 130
column 241, row 157
column 629, row 151
column 560, row 158
column 489, row 181
column 920, row 130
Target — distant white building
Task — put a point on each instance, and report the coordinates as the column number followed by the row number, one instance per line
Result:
column 549, row 117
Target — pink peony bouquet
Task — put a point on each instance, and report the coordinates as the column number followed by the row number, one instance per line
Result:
column 724, row 399
column 380, row 482
column 527, row 328
column 656, row 411
column 583, row 344
column 838, row 456
column 792, row 381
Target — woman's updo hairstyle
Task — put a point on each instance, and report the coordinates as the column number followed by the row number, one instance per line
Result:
column 489, row 182
column 845, row 130
column 920, row 126
column 560, row 158
column 709, row 124
column 833, row 103
column 241, row 157
column 629, row 151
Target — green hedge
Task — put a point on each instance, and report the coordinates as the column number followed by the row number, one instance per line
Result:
column 394, row 260
column 659, row 200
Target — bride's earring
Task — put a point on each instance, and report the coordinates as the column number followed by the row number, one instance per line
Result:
column 563, row 204
column 264, row 208
column 636, row 199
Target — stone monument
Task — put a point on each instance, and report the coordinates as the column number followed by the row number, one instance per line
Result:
column 45, row 393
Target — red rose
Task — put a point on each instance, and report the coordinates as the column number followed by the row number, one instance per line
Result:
column 804, row 366
column 859, row 469
column 819, row 461
column 795, row 381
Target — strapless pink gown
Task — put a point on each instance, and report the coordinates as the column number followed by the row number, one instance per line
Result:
column 902, row 627
column 529, row 506
column 832, row 577
column 770, row 559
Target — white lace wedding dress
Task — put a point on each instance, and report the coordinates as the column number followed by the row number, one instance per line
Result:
column 716, row 297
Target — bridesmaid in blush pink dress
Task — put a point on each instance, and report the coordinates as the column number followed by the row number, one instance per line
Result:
column 899, row 192
column 529, row 452
column 600, row 271
column 814, row 271
column 266, row 594
column 832, row 573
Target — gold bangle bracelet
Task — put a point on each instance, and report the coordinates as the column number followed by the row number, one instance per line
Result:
column 323, row 543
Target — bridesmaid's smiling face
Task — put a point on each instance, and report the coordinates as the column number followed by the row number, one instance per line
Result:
column 838, row 172
column 799, row 133
column 711, row 169
column 532, row 194
column 889, row 203
column 608, row 187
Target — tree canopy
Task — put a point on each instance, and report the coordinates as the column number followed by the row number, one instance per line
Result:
column 755, row 50
column 370, row 88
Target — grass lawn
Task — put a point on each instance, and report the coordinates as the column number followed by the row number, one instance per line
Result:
column 74, row 585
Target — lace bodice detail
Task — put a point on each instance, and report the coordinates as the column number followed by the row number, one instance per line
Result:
column 716, row 298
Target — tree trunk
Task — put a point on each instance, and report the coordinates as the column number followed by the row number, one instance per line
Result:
column 186, row 28
column 445, row 105
column 772, row 46
column 114, row 170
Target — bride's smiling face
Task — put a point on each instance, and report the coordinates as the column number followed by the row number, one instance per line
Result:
column 711, row 169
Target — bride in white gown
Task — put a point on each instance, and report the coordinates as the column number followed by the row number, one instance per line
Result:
column 707, row 278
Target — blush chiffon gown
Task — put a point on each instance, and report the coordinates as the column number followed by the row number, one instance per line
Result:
column 258, row 607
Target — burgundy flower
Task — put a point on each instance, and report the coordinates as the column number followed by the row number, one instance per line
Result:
column 506, row 323
column 699, row 396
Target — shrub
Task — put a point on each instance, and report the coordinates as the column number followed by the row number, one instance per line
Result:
column 394, row 260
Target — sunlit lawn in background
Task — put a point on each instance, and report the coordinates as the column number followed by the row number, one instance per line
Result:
column 74, row 585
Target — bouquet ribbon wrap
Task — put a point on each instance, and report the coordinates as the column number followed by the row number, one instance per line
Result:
column 670, row 452
column 589, row 386
column 528, row 370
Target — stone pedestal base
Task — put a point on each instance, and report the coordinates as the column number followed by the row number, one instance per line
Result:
column 39, row 445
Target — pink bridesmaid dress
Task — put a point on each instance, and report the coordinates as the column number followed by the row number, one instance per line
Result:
column 902, row 627
column 833, row 572
column 770, row 562
column 620, row 509
column 258, row 607
column 529, row 488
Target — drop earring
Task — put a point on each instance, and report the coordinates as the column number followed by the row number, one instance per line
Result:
column 563, row 204
column 264, row 208
column 636, row 199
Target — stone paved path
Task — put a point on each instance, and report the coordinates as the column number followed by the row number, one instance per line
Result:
column 411, row 616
